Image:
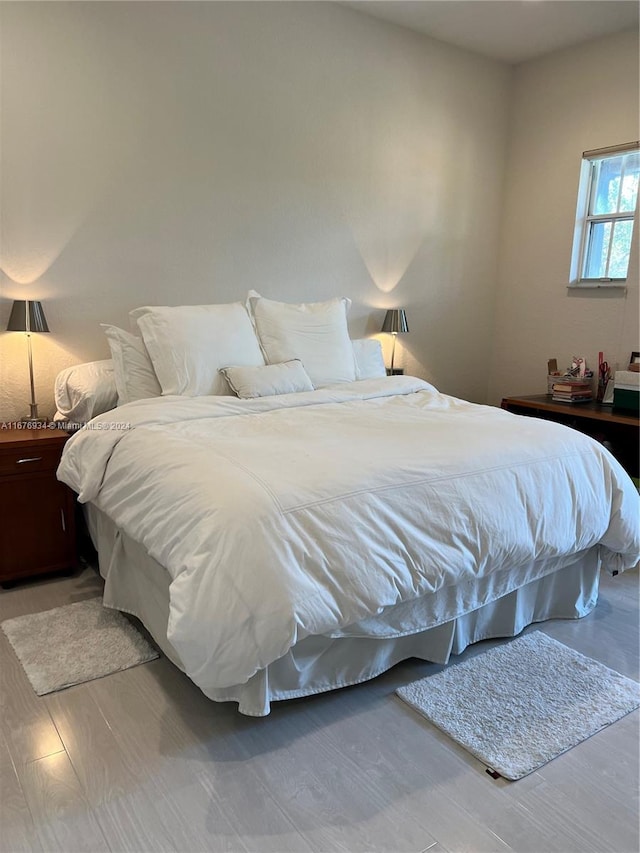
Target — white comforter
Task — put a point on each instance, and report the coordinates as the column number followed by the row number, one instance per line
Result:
column 289, row 516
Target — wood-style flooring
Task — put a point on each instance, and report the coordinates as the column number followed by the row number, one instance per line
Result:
column 142, row 761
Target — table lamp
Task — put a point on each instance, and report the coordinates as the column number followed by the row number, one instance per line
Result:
column 28, row 317
column 395, row 323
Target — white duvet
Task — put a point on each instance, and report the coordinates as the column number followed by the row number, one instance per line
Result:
column 283, row 517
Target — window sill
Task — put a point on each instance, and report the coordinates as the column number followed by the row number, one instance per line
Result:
column 597, row 285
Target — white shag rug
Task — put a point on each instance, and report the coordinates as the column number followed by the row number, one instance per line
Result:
column 519, row 705
column 75, row 643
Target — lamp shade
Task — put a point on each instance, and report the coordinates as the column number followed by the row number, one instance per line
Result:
column 27, row 316
column 395, row 321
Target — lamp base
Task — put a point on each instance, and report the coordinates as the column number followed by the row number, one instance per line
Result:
column 34, row 417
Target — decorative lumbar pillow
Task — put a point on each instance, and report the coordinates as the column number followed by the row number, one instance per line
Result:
column 85, row 390
column 314, row 332
column 133, row 371
column 369, row 359
column 289, row 377
column 190, row 343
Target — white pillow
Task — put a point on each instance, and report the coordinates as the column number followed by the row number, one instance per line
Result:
column 314, row 332
column 133, row 372
column 369, row 359
column 85, row 390
column 190, row 343
column 288, row 377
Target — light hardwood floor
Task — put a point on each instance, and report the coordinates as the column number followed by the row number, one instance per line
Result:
column 142, row 761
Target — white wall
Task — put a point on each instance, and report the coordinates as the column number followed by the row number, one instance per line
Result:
column 563, row 104
column 185, row 152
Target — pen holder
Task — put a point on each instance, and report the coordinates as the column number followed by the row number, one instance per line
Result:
column 604, row 377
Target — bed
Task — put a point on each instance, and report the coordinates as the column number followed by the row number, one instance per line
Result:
column 278, row 545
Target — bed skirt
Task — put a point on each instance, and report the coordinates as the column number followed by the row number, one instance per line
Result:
column 135, row 583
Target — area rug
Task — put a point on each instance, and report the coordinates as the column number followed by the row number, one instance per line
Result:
column 75, row 643
column 517, row 706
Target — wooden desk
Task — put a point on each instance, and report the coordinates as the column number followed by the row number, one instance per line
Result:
column 619, row 431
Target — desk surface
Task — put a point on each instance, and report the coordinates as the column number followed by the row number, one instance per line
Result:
column 591, row 410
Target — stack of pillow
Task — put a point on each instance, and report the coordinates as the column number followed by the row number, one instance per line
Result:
column 253, row 350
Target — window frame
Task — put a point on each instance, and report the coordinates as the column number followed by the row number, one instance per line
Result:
column 584, row 219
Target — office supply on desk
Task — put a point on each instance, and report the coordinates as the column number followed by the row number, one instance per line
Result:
column 604, row 375
column 626, row 394
column 607, row 399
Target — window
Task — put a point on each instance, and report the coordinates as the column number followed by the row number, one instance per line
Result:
column 607, row 201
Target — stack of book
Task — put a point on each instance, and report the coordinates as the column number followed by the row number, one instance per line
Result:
column 569, row 390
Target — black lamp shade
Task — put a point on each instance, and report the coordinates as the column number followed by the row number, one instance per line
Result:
column 27, row 316
column 395, row 321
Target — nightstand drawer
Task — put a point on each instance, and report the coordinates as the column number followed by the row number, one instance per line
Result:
column 27, row 460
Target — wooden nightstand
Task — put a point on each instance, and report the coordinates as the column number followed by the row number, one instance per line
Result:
column 37, row 512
